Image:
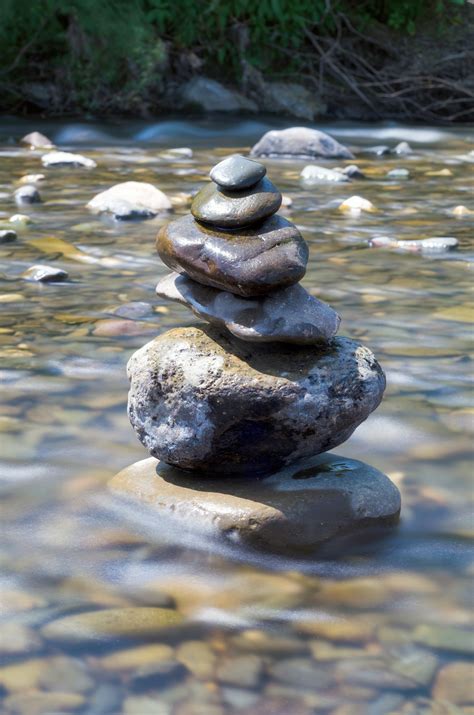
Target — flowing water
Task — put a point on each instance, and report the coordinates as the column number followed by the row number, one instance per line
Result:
column 378, row 627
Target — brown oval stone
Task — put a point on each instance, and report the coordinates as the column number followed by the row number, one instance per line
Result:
column 248, row 262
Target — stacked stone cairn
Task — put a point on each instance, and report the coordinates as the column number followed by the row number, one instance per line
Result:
column 238, row 409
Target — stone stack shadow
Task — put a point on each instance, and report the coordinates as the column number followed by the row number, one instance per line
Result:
column 238, row 409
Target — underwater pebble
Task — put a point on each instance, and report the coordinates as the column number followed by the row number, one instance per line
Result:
column 198, row 657
column 454, row 683
column 31, row 179
column 243, row 670
column 131, row 658
column 450, row 638
column 398, row 174
column 112, row 623
column 38, row 703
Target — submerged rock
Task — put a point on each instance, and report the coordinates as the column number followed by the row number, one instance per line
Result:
column 313, row 175
column 236, row 172
column 403, row 149
column 65, row 158
column 131, row 200
column 248, row 261
column 36, row 140
column 8, row 236
column 295, row 509
column 355, row 205
column 290, row 315
column 425, row 245
column 112, row 623
column 234, row 209
column 398, row 173
column 299, row 142
column 200, row 400
column 27, row 194
column 44, row 274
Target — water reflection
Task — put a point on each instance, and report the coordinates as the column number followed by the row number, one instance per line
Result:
column 379, row 626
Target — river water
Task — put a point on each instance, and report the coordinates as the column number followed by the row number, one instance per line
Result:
column 378, row 627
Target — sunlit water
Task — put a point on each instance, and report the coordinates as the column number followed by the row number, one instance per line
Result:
column 69, row 547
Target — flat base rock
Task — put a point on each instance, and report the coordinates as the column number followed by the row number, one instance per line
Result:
column 295, row 509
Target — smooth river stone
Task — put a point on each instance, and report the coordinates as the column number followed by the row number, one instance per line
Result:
column 289, row 315
column 202, row 400
column 131, row 200
column 249, row 262
column 294, row 509
column 299, row 142
column 237, row 172
column 233, row 209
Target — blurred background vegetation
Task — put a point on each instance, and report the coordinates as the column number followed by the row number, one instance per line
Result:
column 122, row 56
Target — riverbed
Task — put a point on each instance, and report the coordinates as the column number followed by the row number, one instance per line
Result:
column 375, row 626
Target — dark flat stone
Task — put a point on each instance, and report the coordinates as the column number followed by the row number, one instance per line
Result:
column 295, row 509
column 289, row 315
column 237, row 172
column 249, row 262
column 234, row 209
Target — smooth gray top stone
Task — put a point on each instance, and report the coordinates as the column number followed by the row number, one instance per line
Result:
column 200, row 399
column 234, row 209
column 237, row 172
column 290, row 315
column 292, row 510
column 299, row 142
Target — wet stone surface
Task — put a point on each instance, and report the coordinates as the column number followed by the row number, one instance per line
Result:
column 248, row 261
column 237, row 172
column 296, row 509
column 289, row 315
column 236, row 209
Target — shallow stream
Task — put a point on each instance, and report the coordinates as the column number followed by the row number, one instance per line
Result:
column 378, row 627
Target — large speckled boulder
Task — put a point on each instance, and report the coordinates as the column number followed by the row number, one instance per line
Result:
column 297, row 508
column 200, row 400
column 300, row 142
column 289, row 315
column 248, row 261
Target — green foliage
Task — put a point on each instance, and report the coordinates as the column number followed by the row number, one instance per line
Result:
column 118, row 49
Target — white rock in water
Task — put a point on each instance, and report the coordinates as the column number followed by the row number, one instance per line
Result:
column 27, row 194
column 313, row 175
column 462, row 211
column 438, row 244
column 356, row 204
column 44, row 274
column 398, row 173
column 403, row 149
column 65, row 158
column 131, row 199
column 36, row 140
column 19, row 220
